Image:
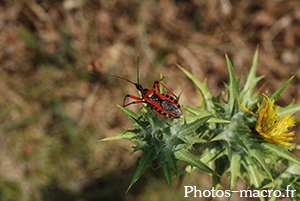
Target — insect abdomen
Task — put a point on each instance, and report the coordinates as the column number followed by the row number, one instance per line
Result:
column 171, row 109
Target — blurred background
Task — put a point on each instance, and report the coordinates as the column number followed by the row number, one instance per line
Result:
column 56, row 100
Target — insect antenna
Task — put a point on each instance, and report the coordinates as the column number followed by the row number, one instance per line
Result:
column 137, row 85
column 137, row 67
column 122, row 78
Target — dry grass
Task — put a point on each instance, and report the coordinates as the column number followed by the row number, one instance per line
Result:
column 56, row 100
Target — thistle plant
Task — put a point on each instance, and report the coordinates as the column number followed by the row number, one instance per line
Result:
column 246, row 135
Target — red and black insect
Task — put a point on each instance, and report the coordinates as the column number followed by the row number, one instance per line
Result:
column 159, row 103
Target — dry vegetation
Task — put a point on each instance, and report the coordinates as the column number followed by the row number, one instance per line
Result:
column 56, row 100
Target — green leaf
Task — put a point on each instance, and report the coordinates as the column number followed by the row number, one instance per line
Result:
column 232, row 88
column 186, row 129
column 280, row 151
column 246, row 95
column 194, row 139
column 251, row 77
column 192, row 118
column 168, row 175
column 129, row 113
column 222, row 136
column 186, row 156
column 129, row 134
column 279, row 91
column 231, row 131
column 144, row 163
column 255, row 175
column 293, row 169
column 136, row 118
column 140, row 146
column 199, row 113
column 221, row 121
column 288, row 177
column 161, row 88
column 212, row 154
column 188, row 169
column 235, row 169
column 202, row 88
column 195, row 111
column 290, row 109
column 220, row 169
column 170, row 158
column 261, row 159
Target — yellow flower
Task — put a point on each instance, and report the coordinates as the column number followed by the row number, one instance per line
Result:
column 272, row 127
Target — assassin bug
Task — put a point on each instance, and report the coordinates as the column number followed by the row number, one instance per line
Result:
column 159, row 103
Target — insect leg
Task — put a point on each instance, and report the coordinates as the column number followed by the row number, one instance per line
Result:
column 134, row 102
column 133, row 97
column 157, row 82
column 159, row 116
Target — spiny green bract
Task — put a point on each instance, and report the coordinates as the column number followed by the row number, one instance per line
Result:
column 166, row 144
column 225, row 131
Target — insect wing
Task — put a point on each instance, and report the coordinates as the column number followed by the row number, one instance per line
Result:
column 172, row 110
